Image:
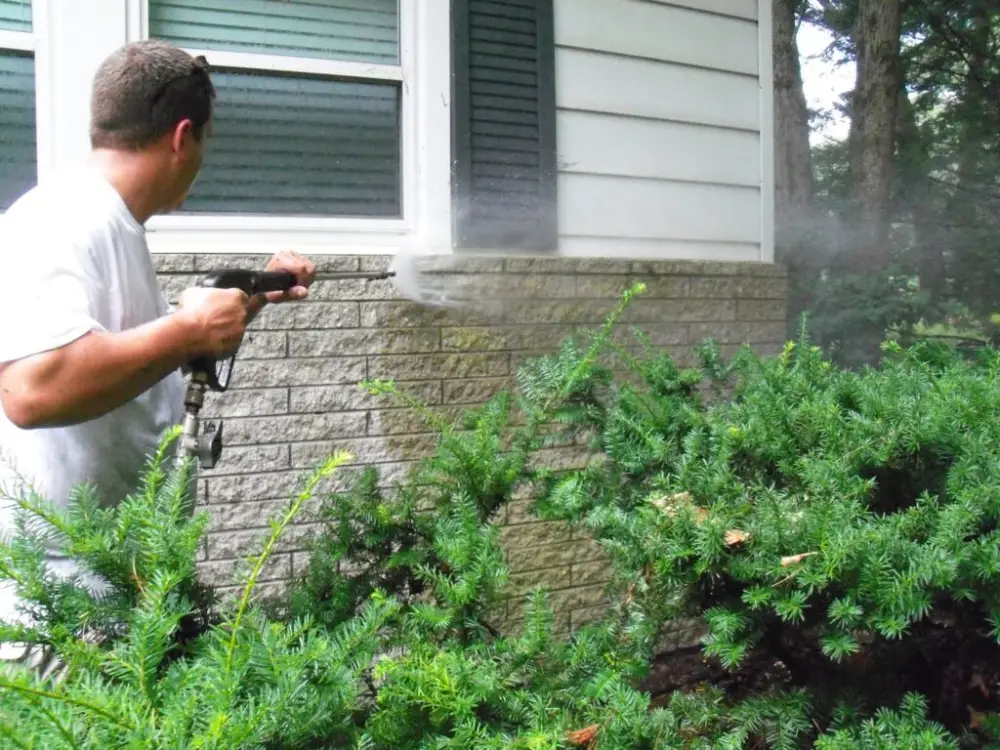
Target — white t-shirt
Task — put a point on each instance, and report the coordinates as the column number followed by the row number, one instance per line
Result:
column 75, row 260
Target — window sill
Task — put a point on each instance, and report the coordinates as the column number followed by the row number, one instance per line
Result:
column 269, row 235
column 295, row 225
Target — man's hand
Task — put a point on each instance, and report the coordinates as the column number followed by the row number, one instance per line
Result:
column 305, row 275
column 217, row 319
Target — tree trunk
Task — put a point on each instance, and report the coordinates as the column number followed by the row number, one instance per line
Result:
column 915, row 198
column 793, row 157
column 967, row 233
column 876, row 107
column 871, row 148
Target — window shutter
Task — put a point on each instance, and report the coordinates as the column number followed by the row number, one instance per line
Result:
column 503, row 129
column 18, row 170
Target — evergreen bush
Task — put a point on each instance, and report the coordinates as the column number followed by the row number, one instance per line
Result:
column 836, row 531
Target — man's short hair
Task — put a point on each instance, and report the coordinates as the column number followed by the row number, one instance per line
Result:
column 142, row 90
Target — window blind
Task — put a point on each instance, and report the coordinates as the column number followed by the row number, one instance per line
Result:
column 18, row 171
column 15, row 15
column 301, row 145
column 347, row 30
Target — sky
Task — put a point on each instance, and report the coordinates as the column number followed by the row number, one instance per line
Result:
column 823, row 81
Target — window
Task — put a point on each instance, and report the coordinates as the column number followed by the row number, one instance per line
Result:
column 18, row 140
column 311, row 102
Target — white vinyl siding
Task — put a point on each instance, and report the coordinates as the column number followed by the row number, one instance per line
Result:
column 626, row 207
column 295, row 132
column 18, row 140
column 714, row 155
column 633, row 87
column 661, row 128
column 735, row 8
column 660, row 32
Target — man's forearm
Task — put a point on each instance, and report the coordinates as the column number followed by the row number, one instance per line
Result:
column 94, row 375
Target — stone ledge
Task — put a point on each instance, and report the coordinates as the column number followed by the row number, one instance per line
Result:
column 539, row 264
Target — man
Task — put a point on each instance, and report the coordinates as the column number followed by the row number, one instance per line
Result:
column 90, row 352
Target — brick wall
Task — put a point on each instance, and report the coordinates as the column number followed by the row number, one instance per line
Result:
column 294, row 396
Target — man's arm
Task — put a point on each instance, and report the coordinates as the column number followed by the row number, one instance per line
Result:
column 93, row 375
column 100, row 371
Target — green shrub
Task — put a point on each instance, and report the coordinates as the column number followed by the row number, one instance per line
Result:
column 836, row 531
column 844, row 524
column 237, row 680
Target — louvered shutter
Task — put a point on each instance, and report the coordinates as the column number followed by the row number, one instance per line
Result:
column 295, row 144
column 504, row 133
column 18, row 143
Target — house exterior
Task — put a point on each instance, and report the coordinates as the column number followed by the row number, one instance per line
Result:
column 567, row 146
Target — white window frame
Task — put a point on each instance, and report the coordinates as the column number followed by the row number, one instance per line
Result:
column 17, row 41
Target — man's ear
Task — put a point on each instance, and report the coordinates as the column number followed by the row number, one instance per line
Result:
column 182, row 131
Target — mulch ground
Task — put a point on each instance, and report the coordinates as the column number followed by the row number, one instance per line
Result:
column 687, row 670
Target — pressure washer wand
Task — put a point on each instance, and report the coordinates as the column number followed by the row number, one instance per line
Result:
column 365, row 275
column 206, row 374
